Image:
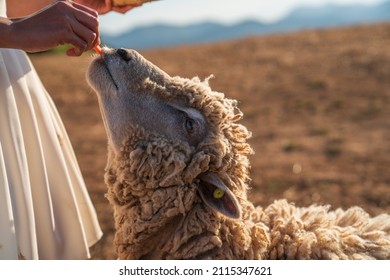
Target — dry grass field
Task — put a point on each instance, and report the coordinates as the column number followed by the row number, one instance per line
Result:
column 316, row 101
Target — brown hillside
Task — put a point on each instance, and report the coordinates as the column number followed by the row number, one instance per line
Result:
column 317, row 103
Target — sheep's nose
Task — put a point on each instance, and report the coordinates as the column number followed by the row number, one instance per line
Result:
column 123, row 54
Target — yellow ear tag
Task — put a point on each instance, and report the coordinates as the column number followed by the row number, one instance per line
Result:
column 218, row 193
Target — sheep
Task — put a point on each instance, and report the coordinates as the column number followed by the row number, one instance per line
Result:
column 178, row 174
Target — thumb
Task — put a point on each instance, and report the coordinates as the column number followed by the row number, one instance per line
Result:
column 74, row 52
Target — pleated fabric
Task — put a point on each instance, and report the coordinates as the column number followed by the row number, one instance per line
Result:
column 45, row 209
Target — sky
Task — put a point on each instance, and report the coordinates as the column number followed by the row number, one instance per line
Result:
column 182, row 12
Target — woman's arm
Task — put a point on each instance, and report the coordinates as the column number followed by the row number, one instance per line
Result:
column 39, row 25
column 18, row 8
column 62, row 22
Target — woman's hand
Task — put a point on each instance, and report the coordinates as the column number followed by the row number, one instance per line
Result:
column 104, row 6
column 62, row 22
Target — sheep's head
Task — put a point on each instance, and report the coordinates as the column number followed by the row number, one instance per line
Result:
column 172, row 131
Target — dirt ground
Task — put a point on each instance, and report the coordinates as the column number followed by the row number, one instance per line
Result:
column 317, row 103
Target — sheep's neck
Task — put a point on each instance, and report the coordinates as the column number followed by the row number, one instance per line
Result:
column 143, row 233
column 173, row 222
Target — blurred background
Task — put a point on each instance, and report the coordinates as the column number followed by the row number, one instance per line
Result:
column 311, row 77
column 177, row 22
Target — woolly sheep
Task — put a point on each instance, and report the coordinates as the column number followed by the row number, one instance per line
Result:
column 178, row 173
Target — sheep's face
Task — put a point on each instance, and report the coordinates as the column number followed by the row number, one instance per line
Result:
column 117, row 78
column 140, row 101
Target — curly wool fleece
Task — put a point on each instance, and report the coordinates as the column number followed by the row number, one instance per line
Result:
column 159, row 214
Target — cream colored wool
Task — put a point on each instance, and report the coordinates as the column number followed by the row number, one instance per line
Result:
column 153, row 188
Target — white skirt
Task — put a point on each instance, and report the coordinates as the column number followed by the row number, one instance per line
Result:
column 45, row 210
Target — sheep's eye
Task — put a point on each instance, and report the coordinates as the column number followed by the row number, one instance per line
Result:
column 190, row 125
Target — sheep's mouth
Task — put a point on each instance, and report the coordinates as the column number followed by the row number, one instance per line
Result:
column 112, row 80
column 101, row 74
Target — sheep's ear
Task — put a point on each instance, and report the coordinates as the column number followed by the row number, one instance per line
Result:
column 218, row 196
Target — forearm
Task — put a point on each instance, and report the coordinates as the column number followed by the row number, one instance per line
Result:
column 18, row 8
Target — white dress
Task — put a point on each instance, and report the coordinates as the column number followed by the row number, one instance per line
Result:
column 45, row 210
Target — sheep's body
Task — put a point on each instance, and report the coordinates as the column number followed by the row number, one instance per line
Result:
column 173, row 223
column 161, row 180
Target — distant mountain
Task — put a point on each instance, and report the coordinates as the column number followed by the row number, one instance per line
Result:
column 301, row 18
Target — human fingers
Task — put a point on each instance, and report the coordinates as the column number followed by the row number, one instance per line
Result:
column 77, row 51
column 83, row 33
column 96, row 42
column 123, row 9
column 109, row 6
column 84, row 24
column 87, row 28
column 78, row 46
column 74, row 52
column 101, row 6
column 86, row 9
column 83, row 14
